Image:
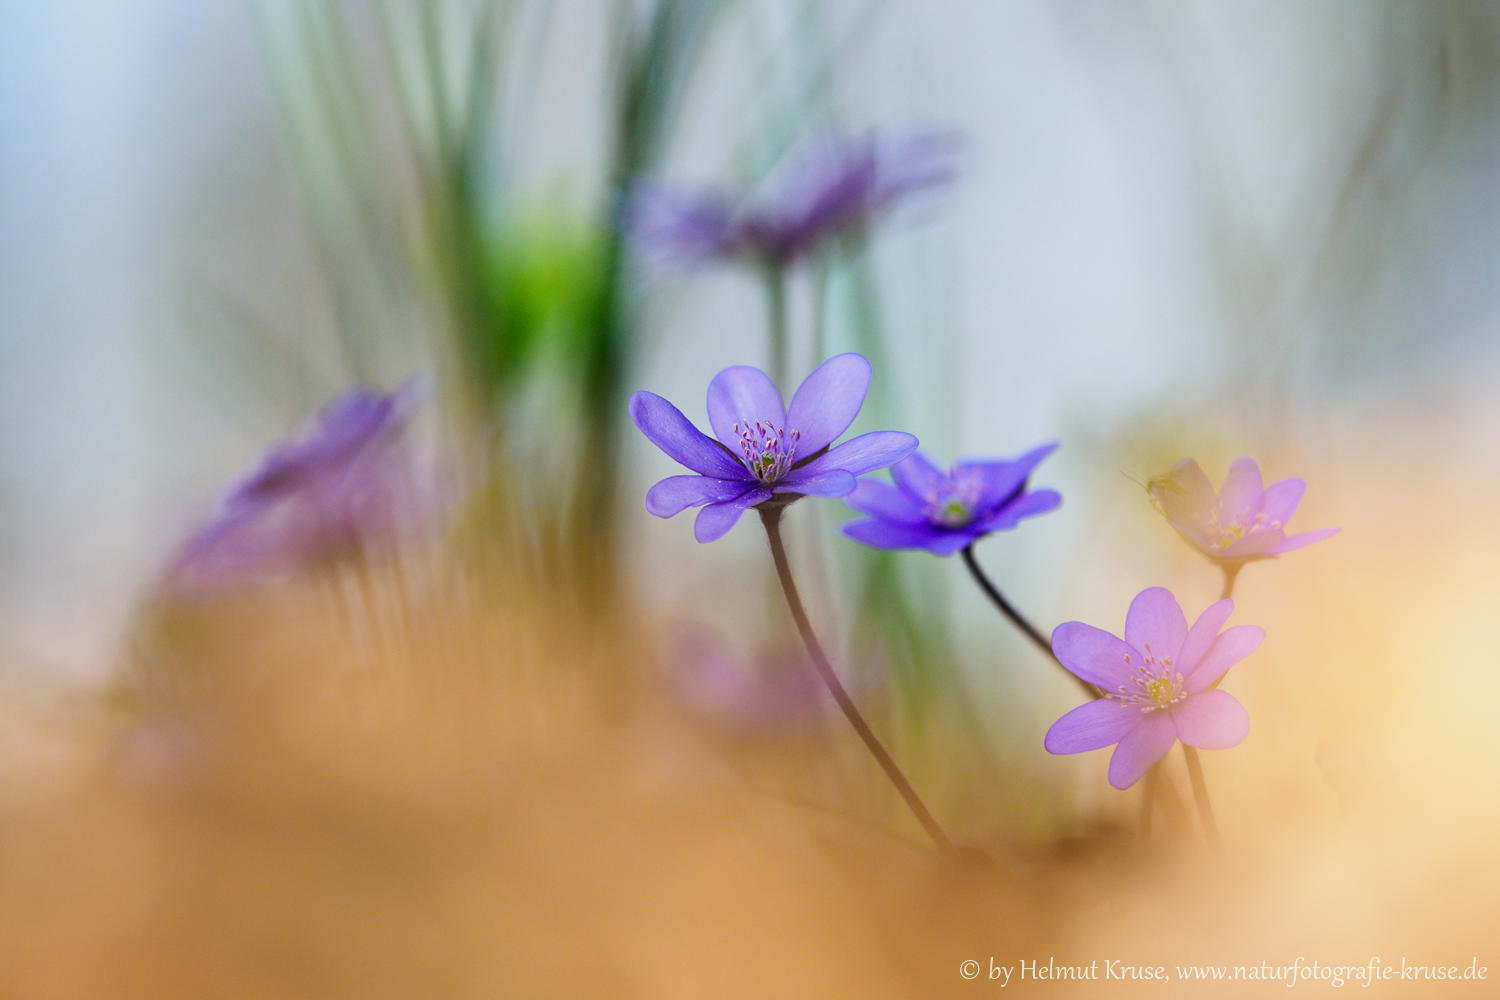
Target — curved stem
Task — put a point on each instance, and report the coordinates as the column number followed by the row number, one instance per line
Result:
column 1148, row 794
column 771, row 518
column 777, row 322
column 1231, row 572
column 1019, row 621
column 1200, row 794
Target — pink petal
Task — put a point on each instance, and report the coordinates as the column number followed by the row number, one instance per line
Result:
column 1186, row 497
column 1211, row 720
column 1143, row 746
column 1281, row 499
column 1239, row 499
column 1202, row 635
column 1099, row 723
column 1155, row 623
column 1302, row 540
column 1228, row 649
column 1257, row 543
column 1093, row 654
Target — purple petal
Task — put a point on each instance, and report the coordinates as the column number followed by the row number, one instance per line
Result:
column 678, row 224
column 1211, row 720
column 886, row 535
column 863, row 454
column 745, row 396
column 1186, row 497
column 1002, row 479
column 1239, row 498
column 1280, row 500
column 833, row 483
column 1143, row 746
column 1093, row 654
column 1091, row 726
column 1029, row 505
column 1202, row 635
column 717, row 518
column 1302, row 540
column 674, row 434
column 827, row 401
column 675, row 494
column 1228, row 649
column 1155, row 623
column 885, row 502
column 917, row 476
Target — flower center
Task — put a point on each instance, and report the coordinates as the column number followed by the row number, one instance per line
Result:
column 767, row 450
column 951, row 503
column 1153, row 684
column 1225, row 535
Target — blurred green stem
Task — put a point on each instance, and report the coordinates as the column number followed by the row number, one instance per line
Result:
column 777, row 321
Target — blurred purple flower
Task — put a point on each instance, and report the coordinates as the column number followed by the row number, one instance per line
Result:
column 746, row 695
column 765, row 448
column 1158, row 684
column 1243, row 521
column 944, row 512
column 839, row 187
column 343, row 480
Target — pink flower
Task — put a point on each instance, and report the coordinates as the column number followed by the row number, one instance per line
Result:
column 1158, row 684
column 1243, row 521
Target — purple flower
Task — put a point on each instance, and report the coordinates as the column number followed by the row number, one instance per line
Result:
column 839, row 187
column 1158, row 684
column 1243, row 521
column 345, row 478
column 750, row 696
column 944, row 512
column 765, row 448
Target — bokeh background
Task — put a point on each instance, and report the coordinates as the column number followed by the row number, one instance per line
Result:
column 1174, row 229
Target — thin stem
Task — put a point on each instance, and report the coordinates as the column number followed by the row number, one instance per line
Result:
column 1148, row 795
column 1231, row 571
column 771, row 518
column 1200, row 794
column 777, row 321
column 1019, row 621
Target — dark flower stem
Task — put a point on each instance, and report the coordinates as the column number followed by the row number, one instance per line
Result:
column 1200, row 793
column 1019, row 621
column 771, row 518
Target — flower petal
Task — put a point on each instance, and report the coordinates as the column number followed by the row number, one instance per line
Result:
column 1155, row 623
column 1301, row 541
column 1186, row 497
column 1202, row 635
column 1002, row 480
column 675, row 434
column 1028, row 505
column 677, row 493
column 717, row 518
column 1143, row 746
column 1239, row 498
column 833, row 483
column 1254, row 545
column 917, row 476
column 1280, row 500
column 1232, row 646
column 1091, row 726
column 862, row 454
column 742, row 395
column 885, row 502
column 1211, row 720
column 1093, row 654
column 888, row 535
column 828, row 400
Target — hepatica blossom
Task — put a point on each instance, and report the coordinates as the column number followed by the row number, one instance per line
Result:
column 838, row 187
column 1243, row 521
column 944, row 512
column 344, row 479
column 1158, row 684
column 765, row 448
